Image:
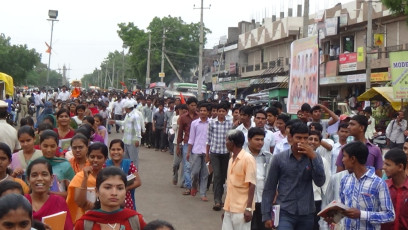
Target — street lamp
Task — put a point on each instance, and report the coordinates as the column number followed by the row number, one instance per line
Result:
column 52, row 14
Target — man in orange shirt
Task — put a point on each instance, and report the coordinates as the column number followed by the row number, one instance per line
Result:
column 241, row 181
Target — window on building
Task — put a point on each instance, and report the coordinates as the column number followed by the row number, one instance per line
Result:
column 348, row 44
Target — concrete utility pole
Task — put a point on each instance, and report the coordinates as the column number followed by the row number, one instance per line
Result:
column 148, row 62
column 305, row 18
column 162, row 60
column 369, row 43
column 200, row 54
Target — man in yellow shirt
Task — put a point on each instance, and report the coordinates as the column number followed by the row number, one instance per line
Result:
column 241, row 181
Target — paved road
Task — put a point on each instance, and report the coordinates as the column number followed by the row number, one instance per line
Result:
column 158, row 198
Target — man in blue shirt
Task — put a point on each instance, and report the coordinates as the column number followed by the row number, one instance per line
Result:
column 294, row 170
column 9, row 108
column 365, row 194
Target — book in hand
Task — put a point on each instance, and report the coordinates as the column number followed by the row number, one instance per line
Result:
column 275, row 215
column 56, row 221
column 334, row 209
column 130, row 179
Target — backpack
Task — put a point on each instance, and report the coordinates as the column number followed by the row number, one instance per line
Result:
column 133, row 221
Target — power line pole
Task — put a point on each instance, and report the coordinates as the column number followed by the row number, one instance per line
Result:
column 305, row 18
column 200, row 53
column 148, row 62
column 369, row 43
column 161, row 75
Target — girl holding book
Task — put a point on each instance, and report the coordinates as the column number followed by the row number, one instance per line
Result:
column 116, row 150
column 40, row 177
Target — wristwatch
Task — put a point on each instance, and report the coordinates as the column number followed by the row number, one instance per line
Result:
column 248, row 209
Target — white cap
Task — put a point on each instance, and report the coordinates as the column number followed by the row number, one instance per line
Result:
column 128, row 105
column 3, row 104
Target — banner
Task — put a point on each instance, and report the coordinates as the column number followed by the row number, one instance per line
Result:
column 379, row 40
column 348, row 62
column 303, row 84
column 360, row 54
column 399, row 74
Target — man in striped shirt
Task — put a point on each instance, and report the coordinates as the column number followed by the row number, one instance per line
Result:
column 218, row 152
column 365, row 194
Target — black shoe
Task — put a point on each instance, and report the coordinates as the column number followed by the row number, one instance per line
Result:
column 109, row 132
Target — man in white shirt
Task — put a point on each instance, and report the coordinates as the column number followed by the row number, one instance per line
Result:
column 369, row 134
column 245, row 113
column 38, row 103
column 260, row 122
column 117, row 111
column 343, row 134
column 64, row 94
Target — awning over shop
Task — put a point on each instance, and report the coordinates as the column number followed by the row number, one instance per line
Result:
column 386, row 92
column 8, row 80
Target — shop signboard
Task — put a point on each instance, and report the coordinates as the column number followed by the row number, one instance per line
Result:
column 303, row 84
column 343, row 19
column 399, row 74
column 348, row 62
column 332, row 25
column 356, row 78
column 381, row 76
column 333, row 80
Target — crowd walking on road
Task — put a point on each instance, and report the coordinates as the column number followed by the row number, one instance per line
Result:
column 264, row 168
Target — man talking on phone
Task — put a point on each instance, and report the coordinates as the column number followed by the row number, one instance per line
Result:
column 294, row 170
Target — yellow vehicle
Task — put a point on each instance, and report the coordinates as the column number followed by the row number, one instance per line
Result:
column 6, row 85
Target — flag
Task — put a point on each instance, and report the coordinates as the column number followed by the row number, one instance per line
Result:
column 75, row 93
column 48, row 48
column 182, row 99
column 122, row 83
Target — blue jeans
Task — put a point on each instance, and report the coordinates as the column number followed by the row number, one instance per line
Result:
column 186, row 169
column 289, row 221
column 38, row 110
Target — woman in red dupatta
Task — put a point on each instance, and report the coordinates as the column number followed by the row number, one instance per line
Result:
column 108, row 211
column 39, row 175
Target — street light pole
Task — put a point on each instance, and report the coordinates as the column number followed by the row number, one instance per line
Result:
column 52, row 14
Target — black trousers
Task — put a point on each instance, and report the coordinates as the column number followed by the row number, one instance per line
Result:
column 256, row 223
column 159, row 138
column 118, row 117
column 147, row 138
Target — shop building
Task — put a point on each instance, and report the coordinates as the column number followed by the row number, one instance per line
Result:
column 342, row 34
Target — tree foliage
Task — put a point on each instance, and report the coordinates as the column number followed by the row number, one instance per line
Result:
column 181, row 42
column 17, row 60
column 114, row 69
column 39, row 74
column 397, row 6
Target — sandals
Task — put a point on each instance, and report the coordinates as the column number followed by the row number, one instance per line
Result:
column 204, row 198
column 217, row 207
column 187, row 192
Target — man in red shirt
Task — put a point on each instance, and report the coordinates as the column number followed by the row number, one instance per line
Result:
column 394, row 166
column 182, row 139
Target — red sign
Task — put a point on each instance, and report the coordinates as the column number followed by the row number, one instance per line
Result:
column 347, row 58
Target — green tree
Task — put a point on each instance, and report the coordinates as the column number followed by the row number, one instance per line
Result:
column 39, row 74
column 114, row 69
column 397, row 6
column 17, row 60
column 182, row 41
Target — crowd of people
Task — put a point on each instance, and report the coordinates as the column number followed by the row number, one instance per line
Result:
column 255, row 159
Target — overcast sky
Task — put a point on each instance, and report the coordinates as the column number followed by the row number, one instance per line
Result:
column 86, row 30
